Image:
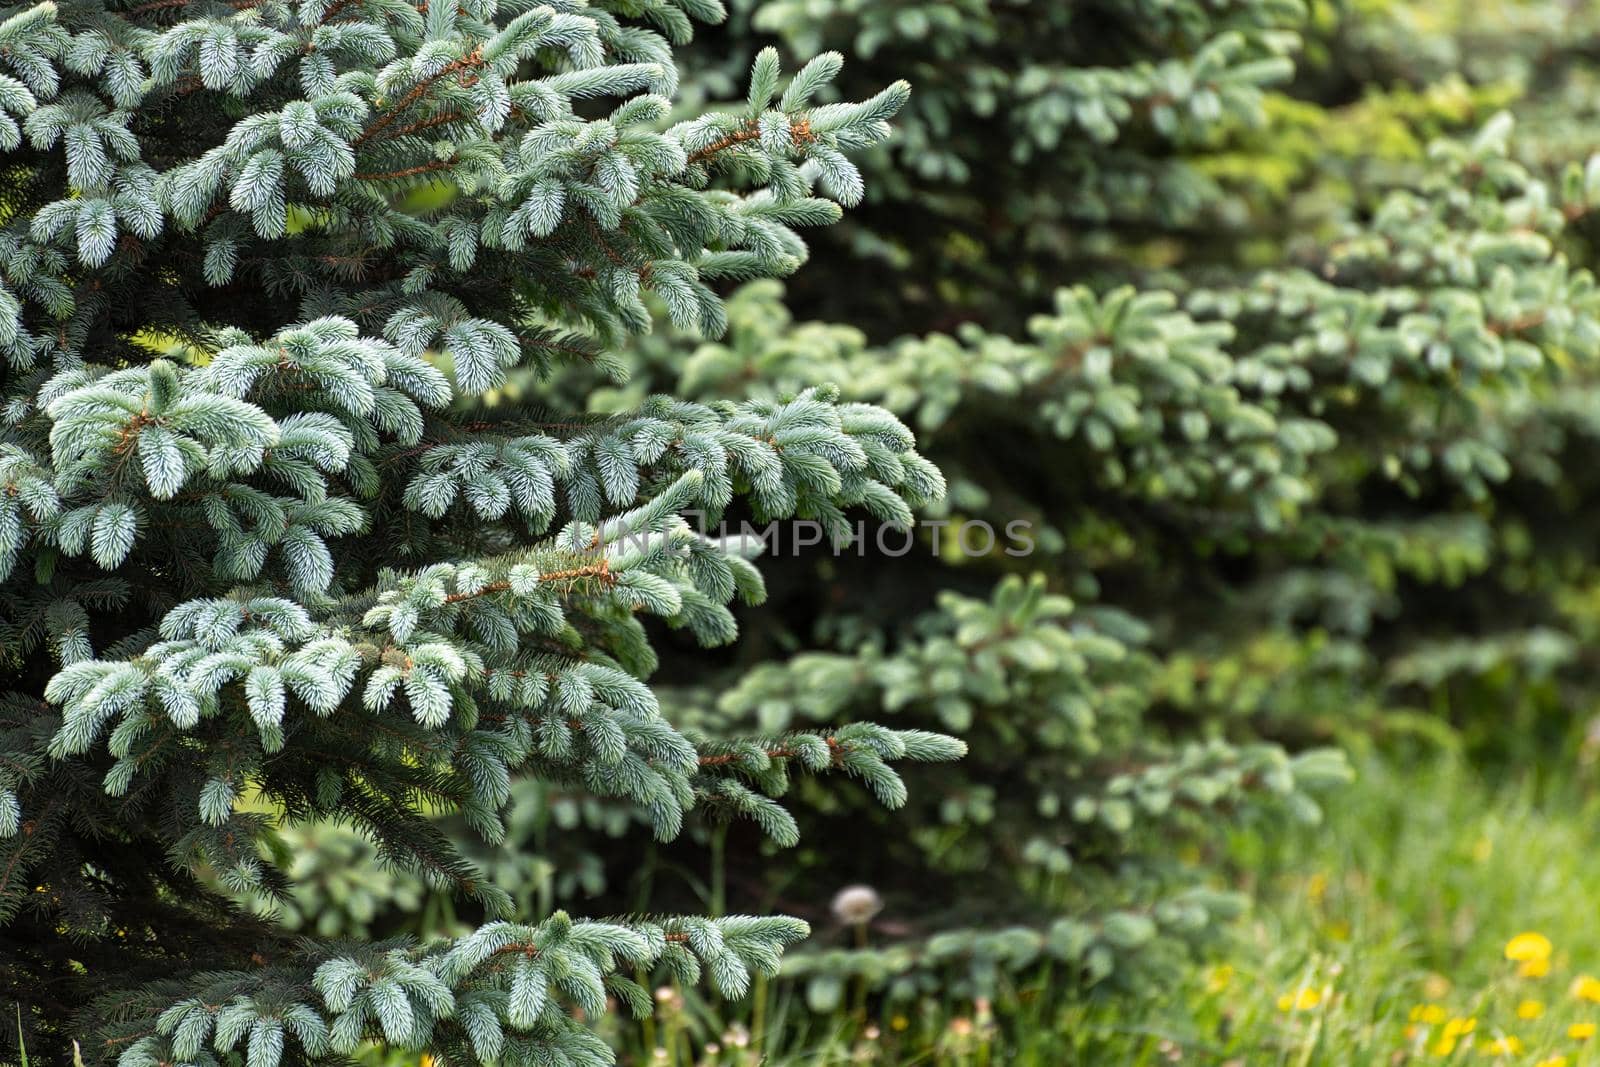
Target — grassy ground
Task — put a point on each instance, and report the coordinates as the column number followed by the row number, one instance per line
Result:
column 1381, row 938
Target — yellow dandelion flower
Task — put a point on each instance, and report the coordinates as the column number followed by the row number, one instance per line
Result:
column 1443, row 1047
column 1586, row 987
column 1300, row 1000
column 1460, row 1026
column 1581, row 1031
column 1528, row 946
column 1530, row 1009
column 1552, row 1061
column 1533, row 968
column 1507, row 1045
column 1432, row 1014
column 1317, row 886
column 1219, row 978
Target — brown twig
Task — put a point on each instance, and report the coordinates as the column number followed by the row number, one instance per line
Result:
column 428, row 123
column 334, row 9
column 725, row 758
column 407, row 172
column 601, row 570
column 471, row 61
column 529, row 950
column 799, row 133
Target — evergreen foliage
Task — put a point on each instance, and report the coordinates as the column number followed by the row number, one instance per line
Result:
column 1043, row 142
column 1308, row 461
column 345, row 494
column 277, row 573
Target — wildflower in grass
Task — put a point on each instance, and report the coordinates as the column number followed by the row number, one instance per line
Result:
column 1456, row 1032
column 1528, row 946
column 1530, row 1009
column 1552, row 1061
column 856, row 905
column 1586, row 987
column 1505, row 1045
column 1581, row 1031
column 1219, row 978
column 1300, row 1000
column 899, row 1023
column 669, row 998
column 1432, row 1014
column 1436, row 987
column 1533, row 968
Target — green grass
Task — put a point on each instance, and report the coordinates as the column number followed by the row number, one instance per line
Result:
column 1407, row 896
column 1400, row 904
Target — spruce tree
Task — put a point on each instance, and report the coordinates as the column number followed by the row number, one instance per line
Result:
column 1046, row 143
column 1311, row 460
column 260, row 562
